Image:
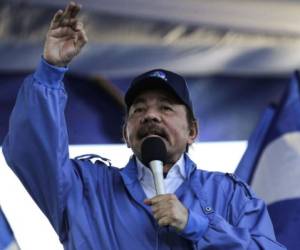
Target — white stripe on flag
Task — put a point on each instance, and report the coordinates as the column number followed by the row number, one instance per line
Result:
column 278, row 172
column 12, row 246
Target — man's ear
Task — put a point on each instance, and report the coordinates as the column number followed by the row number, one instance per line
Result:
column 125, row 137
column 193, row 132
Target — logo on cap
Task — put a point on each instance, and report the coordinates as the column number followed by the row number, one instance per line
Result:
column 159, row 74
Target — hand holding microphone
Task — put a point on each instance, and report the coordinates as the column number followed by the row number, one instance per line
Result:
column 166, row 208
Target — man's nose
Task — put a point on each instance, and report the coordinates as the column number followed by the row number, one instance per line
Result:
column 151, row 115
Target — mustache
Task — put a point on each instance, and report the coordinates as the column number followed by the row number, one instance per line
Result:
column 151, row 129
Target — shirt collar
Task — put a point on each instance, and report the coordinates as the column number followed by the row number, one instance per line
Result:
column 177, row 170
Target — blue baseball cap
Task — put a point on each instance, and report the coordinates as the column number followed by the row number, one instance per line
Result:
column 156, row 79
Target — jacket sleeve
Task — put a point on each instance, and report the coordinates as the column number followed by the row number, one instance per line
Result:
column 36, row 146
column 247, row 224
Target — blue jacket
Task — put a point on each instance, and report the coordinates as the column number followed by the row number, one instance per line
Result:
column 95, row 206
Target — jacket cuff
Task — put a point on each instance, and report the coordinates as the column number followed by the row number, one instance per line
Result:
column 196, row 226
column 49, row 75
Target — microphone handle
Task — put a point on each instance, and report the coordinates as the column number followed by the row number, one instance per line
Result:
column 157, row 171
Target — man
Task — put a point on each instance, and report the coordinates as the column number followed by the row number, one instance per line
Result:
column 94, row 206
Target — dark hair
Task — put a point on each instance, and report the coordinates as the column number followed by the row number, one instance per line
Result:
column 190, row 117
column 191, row 120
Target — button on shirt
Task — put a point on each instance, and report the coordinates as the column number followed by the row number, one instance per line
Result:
column 173, row 180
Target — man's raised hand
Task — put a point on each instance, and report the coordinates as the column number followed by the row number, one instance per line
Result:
column 65, row 37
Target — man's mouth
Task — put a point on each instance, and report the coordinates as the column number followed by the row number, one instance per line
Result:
column 147, row 131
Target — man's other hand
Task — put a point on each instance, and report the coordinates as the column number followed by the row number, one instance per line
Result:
column 168, row 211
column 65, row 37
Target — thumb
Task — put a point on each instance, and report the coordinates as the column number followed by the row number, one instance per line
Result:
column 148, row 202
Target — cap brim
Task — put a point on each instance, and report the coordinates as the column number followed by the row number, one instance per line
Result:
column 147, row 84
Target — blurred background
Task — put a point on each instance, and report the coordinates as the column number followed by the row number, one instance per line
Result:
column 236, row 55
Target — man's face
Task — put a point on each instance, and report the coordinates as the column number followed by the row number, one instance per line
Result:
column 157, row 113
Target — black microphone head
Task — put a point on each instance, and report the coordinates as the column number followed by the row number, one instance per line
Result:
column 153, row 148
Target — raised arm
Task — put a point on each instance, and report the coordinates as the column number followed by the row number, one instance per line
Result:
column 36, row 146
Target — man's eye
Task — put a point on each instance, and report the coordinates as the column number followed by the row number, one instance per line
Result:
column 167, row 108
column 138, row 110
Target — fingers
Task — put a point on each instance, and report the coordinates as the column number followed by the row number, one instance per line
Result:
column 168, row 210
column 71, row 10
column 78, row 26
column 160, row 198
column 148, row 202
column 75, row 10
column 77, row 33
column 81, row 35
column 66, row 17
column 167, row 215
column 56, row 19
column 164, row 221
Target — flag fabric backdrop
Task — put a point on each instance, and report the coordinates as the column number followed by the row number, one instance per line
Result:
column 271, row 164
column 7, row 240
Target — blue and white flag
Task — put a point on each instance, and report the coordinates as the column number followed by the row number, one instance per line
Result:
column 7, row 239
column 271, row 164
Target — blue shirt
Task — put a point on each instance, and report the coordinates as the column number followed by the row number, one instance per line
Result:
column 95, row 206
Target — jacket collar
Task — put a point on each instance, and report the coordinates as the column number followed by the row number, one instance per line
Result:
column 130, row 178
column 178, row 170
column 130, row 172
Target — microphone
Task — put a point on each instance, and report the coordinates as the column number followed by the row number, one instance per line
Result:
column 154, row 153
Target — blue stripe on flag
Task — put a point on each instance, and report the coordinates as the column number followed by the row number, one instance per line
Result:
column 6, row 234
